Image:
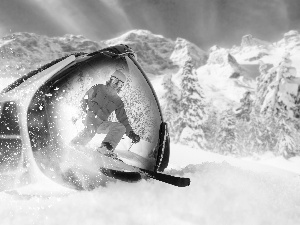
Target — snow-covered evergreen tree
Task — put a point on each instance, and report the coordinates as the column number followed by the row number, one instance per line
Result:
column 243, row 112
column 280, row 95
column 192, row 108
column 210, row 127
column 171, row 100
column 226, row 133
column 263, row 81
column 243, row 138
column 257, row 135
column 287, row 136
column 278, row 92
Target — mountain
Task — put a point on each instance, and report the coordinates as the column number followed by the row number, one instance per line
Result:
column 290, row 41
column 254, row 51
column 225, row 74
column 231, row 72
column 224, row 80
column 249, row 40
column 158, row 54
column 22, row 52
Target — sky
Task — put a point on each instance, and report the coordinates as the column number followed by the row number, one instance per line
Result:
column 203, row 22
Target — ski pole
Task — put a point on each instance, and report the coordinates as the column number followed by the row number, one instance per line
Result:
column 130, row 146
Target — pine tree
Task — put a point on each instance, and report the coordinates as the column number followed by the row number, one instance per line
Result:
column 171, row 100
column 279, row 95
column 210, row 127
column 243, row 139
column 226, row 133
column 263, row 81
column 262, row 133
column 287, row 135
column 192, row 108
column 243, row 112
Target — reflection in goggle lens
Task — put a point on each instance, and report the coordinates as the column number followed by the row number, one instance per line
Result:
column 117, row 82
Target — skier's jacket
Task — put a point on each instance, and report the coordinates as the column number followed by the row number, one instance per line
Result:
column 102, row 100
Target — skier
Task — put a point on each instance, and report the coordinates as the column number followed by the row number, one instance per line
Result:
column 98, row 103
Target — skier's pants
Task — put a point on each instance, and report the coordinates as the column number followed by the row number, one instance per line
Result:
column 93, row 125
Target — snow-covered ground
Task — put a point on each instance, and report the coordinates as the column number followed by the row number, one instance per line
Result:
column 223, row 190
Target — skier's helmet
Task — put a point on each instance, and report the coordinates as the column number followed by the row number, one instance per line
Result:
column 117, row 80
column 119, row 75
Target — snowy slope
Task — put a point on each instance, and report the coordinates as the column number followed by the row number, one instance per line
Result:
column 223, row 191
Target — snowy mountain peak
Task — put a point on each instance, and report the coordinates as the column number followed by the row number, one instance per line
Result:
column 153, row 51
column 248, row 41
column 28, row 40
column 133, row 34
column 22, row 52
column 291, row 34
column 220, row 56
column 291, row 40
column 157, row 53
column 184, row 50
column 214, row 48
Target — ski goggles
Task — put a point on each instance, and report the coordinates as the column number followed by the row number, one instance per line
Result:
column 117, row 82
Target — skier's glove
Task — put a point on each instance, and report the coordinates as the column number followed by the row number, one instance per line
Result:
column 134, row 137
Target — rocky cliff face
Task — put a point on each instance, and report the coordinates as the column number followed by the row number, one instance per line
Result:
column 249, row 40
